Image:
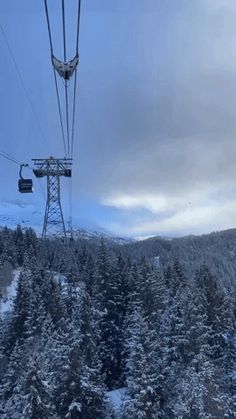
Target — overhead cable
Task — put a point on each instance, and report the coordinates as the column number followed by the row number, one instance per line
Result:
column 75, row 79
column 48, row 25
column 78, row 27
column 10, row 158
column 73, row 115
column 10, row 50
column 60, row 112
column 66, row 82
column 55, row 79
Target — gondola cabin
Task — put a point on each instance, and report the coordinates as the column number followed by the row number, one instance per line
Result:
column 25, row 185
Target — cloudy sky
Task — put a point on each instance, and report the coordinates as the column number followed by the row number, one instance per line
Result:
column 155, row 145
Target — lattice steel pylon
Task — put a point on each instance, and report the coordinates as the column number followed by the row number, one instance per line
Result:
column 53, row 169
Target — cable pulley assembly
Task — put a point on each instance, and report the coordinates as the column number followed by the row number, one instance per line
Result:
column 65, row 69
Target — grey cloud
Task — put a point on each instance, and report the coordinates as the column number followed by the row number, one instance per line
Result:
column 175, row 131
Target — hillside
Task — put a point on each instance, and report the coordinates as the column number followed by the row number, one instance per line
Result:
column 216, row 250
column 96, row 329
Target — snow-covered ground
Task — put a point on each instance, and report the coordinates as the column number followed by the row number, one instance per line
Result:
column 93, row 234
column 117, row 399
column 156, row 262
column 9, row 294
column 61, row 279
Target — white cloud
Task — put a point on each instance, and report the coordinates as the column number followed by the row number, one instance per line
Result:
column 152, row 203
column 159, row 203
column 175, row 216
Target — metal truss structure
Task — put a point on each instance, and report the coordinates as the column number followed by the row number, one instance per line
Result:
column 53, row 169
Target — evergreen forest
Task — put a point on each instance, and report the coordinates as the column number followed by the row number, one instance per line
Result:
column 155, row 318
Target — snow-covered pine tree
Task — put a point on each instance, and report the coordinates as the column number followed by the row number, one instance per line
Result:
column 37, row 402
column 88, row 276
column 142, row 374
column 105, row 306
column 229, row 379
column 18, row 238
column 51, row 295
column 78, row 386
column 219, row 322
column 92, row 385
column 21, row 311
column 172, row 350
column 13, row 376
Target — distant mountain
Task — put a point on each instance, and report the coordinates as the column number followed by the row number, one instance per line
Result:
column 216, row 250
column 82, row 233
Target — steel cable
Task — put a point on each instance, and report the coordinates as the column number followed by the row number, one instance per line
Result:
column 59, row 110
column 78, row 27
column 66, row 84
column 10, row 50
column 55, row 78
column 73, row 115
column 75, row 79
column 10, row 158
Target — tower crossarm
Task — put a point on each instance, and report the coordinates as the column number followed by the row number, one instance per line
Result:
column 52, row 167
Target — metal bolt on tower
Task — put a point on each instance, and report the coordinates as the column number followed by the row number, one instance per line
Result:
column 53, row 169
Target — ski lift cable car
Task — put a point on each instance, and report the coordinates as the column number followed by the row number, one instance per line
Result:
column 24, row 185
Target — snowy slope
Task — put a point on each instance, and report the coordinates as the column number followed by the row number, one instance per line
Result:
column 92, row 234
column 9, row 294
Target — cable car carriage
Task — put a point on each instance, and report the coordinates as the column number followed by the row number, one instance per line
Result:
column 24, row 185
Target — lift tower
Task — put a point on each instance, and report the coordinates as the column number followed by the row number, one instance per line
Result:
column 53, row 169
